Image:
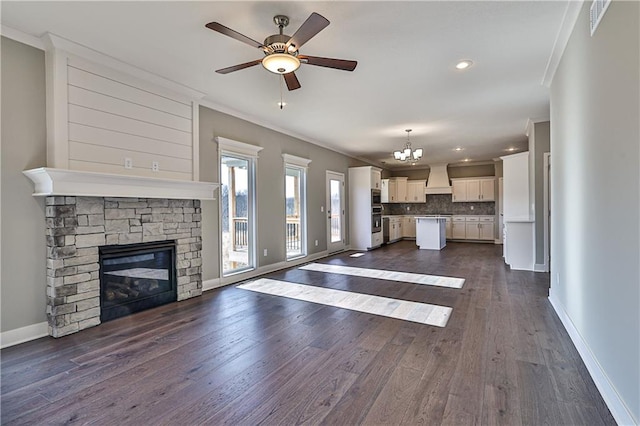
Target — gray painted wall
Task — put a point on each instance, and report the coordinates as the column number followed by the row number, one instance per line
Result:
column 595, row 181
column 23, row 253
column 270, row 186
column 539, row 143
column 457, row 171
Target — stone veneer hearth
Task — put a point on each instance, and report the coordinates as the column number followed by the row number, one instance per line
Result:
column 77, row 226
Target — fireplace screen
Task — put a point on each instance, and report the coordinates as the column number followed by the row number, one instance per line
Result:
column 136, row 277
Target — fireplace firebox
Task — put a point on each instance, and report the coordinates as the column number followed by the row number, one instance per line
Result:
column 136, row 277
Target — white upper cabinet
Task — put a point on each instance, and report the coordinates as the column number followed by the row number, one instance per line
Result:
column 459, row 190
column 376, row 179
column 384, row 190
column 473, row 189
column 415, row 191
column 394, row 190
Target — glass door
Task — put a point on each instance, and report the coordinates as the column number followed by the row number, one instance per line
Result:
column 236, row 197
column 335, row 212
column 295, row 202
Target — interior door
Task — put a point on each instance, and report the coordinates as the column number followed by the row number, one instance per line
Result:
column 335, row 212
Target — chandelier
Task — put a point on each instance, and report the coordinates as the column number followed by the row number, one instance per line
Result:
column 407, row 153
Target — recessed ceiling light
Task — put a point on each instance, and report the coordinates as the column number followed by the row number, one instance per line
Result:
column 464, row 64
column 511, row 149
column 466, row 160
column 458, row 148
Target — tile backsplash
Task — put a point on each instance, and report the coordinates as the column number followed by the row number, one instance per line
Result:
column 440, row 204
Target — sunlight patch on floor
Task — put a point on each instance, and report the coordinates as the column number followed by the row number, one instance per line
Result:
column 382, row 274
column 422, row 313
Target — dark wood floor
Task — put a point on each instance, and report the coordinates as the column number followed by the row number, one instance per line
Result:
column 239, row 357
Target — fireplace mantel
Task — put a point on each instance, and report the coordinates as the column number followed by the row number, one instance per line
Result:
column 50, row 181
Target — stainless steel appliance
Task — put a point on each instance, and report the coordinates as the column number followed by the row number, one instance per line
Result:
column 385, row 230
column 376, row 197
column 376, row 219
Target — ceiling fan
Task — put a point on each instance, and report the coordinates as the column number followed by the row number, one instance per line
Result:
column 281, row 51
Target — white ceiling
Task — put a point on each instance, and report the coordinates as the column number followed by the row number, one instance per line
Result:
column 406, row 52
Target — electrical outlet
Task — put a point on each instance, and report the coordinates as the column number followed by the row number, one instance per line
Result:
column 321, row 209
column 408, row 208
column 128, row 163
column 155, row 166
column 265, row 252
column 471, row 207
column 316, row 243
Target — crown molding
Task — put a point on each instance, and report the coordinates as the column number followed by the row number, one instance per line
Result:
column 252, row 119
column 569, row 20
column 21, row 37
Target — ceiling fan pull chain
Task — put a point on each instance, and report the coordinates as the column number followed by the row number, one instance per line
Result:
column 281, row 101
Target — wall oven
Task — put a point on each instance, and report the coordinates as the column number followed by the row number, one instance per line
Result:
column 376, row 197
column 376, row 219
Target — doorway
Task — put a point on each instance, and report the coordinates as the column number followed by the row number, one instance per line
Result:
column 335, row 212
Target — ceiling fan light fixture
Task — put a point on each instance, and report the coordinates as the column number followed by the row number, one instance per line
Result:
column 281, row 63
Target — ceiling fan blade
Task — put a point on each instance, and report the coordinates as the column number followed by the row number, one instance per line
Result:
column 312, row 26
column 339, row 64
column 292, row 81
column 239, row 67
column 216, row 26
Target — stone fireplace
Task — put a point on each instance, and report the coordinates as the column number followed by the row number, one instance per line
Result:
column 76, row 228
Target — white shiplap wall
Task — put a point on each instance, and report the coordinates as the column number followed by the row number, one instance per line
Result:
column 111, row 116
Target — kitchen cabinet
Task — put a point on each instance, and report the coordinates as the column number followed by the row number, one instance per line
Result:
column 519, row 228
column 487, row 229
column 481, row 228
column 395, row 228
column 472, row 228
column 384, row 190
column 376, row 179
column 448, row 228
column 415, row 191
column 394, row 190
column 431, row 233
column 409, row 227
column 363, row 234
column 473, row 189
column 458, row 228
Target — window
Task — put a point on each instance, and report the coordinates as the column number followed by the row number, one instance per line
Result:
column 237, row 205
column 295, row 206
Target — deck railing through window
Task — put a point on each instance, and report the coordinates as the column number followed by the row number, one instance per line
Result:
column 240, row 233
column 293, row 236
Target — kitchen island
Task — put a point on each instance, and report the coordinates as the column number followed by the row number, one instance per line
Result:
column 430, row 232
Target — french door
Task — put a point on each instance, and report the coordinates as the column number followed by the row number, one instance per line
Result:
column 335, row 212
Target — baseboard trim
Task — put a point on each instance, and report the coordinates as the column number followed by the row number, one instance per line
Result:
column 23, row 334
column 616, row 405
column 497, row 241
column 224, row 281
column 540, row 267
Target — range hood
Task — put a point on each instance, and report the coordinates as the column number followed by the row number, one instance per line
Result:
column 438, row 182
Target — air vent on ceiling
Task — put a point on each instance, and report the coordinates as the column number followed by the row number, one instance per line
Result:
column 598, row 8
